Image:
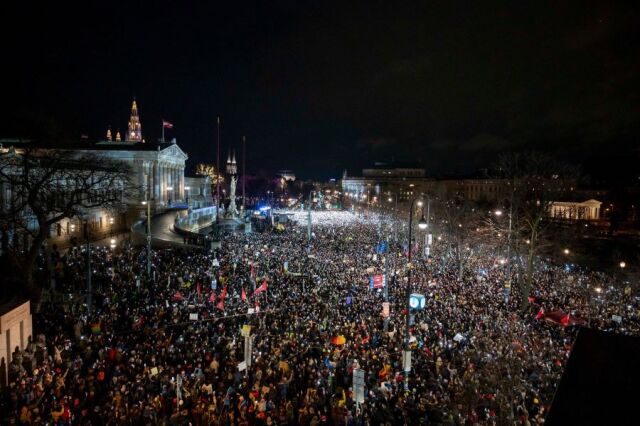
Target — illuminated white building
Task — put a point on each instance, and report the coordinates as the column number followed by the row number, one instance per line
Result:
column 572, row 210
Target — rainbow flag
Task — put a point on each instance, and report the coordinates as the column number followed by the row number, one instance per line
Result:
column 95, row 328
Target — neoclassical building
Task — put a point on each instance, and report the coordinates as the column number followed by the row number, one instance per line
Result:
column 158, row 168
column 574, row 210
column 157, row 175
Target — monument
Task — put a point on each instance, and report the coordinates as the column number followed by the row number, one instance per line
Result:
column 231, row 219
column 232, row 211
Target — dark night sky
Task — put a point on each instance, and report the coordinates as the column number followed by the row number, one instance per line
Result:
column 322, row 86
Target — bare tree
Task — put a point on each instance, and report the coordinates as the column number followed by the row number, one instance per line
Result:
column 458, row 220
column 209, row 170
column 44, row 186
column 534, row 182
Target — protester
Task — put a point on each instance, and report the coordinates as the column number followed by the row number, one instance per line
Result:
column 165, row 348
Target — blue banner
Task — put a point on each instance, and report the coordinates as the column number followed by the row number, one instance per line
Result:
column 382, row 247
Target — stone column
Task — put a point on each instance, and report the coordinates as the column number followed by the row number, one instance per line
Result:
column 165, row 193
column 137, row 164
column 177, row 185
column 181, row 175
column 180, row 183
column 156, row 187
column 163, row 182
column 172, row 179
column 149, row 189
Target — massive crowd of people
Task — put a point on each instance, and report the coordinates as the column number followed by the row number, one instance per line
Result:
column 168, row 348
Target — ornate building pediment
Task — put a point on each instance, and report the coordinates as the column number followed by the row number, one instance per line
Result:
column 174, row 151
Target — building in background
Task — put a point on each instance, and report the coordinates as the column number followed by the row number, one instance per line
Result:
column 395, row 181
column 287, row 175
column 198, row 191
column 157, row 175
column 574, row 210
column 16, row 332
column 476, row 189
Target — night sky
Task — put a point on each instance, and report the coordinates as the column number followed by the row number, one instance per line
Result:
column 320, row 86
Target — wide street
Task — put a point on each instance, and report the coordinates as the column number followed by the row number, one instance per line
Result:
column 172, row 349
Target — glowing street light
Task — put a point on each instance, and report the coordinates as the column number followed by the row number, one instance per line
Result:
column 623, row 264
column 566, row 251
column 422, row 224
column 498, row 212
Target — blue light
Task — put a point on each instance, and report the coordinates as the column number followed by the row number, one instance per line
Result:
column 264, row 208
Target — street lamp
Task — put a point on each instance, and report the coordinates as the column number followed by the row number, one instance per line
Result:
column 309, row 217
column 566, row 251
column 623, row 264
column 422, row 224
column 88, row 265
column 507, row 285
column 148, row 204
column 187, row 188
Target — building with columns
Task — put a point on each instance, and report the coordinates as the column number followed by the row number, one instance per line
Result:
column 158, row 169
column 157, row 174
column 574, row 210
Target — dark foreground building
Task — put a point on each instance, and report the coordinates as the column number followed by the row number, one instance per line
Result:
column 600, row 383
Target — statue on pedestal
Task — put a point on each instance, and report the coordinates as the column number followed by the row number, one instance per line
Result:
column 232, row 211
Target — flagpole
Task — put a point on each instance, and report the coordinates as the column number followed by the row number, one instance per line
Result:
column 163, row 131
column 218, row 172
column 244, row 175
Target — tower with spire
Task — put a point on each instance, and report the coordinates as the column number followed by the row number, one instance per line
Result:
column 232, row 167
column 109, row 138
column 134, row 132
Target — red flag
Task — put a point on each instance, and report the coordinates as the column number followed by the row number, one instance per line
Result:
column 224, row 293
column 531, row 299
column 198, row 291
column 262, row 288
column 177, row 296
column 220, row 305
column 244, row 295
column 167, row 125
column 565, row 320
column 540, row 313
column 212, row 297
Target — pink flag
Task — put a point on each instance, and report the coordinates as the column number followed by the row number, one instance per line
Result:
column 243, row 296
column 220, row 305
column 212, row 297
